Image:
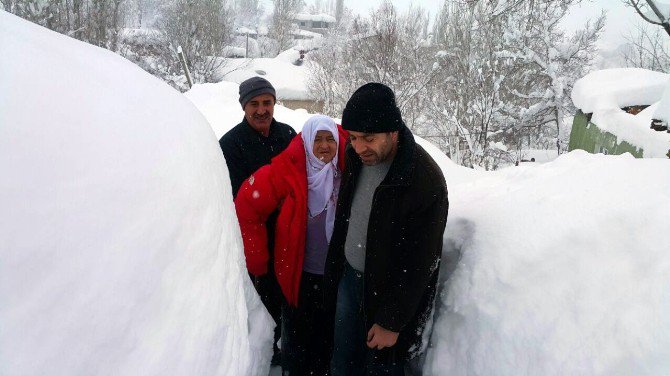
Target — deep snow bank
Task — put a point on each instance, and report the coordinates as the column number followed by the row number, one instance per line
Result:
column 119, row 248
column 564, row 270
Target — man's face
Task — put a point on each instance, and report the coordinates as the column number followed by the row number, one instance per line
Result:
column 259, row 111
column 374, row 148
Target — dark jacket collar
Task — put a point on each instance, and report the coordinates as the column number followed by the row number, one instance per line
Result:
column 402, row 167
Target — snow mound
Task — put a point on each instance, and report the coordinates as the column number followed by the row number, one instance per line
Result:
column 564, row 269
column 618, row 88
column 121, row 253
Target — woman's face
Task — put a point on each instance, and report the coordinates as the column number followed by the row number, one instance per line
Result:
column 325, row 146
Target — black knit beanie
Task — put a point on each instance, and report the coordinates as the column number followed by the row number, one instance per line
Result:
column 372, row 109
column 254, row 87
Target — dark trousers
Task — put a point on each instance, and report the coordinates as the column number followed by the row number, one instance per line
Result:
column 270, row 293
column 268, row 288
column 306, row 331
column 351, row 356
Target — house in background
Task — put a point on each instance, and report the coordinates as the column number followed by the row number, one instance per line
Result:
column 623, row 110
column 316, row 23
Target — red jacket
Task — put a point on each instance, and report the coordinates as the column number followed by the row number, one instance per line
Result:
column 283, row 184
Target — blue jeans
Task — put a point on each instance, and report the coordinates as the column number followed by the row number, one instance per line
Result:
column 351, row 356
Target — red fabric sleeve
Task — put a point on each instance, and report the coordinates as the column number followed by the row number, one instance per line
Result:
column 257, row 198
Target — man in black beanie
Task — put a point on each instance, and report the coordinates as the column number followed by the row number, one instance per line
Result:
column 384, row 255
column 247, row 147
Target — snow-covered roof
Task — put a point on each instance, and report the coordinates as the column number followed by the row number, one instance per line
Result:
column 289, row 80
column 245, row 30
column 315, row 17
column 306, row 33
column 618, row 88
column 603, row 93
column 140, row 35
column 233, row 51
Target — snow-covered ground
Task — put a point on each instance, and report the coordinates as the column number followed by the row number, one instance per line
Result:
column 120, row 252
column 564, row 270
column 605, row 92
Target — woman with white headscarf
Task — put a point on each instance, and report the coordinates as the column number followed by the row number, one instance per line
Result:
column 303, row 182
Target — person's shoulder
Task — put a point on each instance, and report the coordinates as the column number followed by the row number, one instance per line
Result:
column 233, row 134
column 426, row 168
column 285, row 128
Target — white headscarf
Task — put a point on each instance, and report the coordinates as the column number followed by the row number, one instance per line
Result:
column 320, row 175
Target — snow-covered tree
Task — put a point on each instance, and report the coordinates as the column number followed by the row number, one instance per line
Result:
column 339, row 10
column 506, row 73
column 647, row 48
column 248, row 12
column 550, row 62
column 202, row 29
column 94, row 21
column 384, row 47
column 282, row 25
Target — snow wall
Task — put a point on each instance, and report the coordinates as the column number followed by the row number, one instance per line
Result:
column 119, row 249
column 564, row 269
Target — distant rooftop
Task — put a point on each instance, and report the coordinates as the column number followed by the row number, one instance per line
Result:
column 315, row 17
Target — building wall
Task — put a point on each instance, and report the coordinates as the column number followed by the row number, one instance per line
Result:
column 587, row 136
column 311, row 106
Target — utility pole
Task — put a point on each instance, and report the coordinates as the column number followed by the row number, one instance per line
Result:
column 184, row 66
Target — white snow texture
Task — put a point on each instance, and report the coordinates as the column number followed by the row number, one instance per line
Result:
column 120, row 251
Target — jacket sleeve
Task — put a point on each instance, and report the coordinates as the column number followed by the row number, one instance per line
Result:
column 418, row 262
column 257, row 198
column 235, row 163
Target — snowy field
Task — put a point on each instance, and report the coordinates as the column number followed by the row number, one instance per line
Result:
column 120, row 252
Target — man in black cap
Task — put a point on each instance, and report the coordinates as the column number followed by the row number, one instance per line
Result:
column 252, row 143
column 247, row 147
column 384, row 255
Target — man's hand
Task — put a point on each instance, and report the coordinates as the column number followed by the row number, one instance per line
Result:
column 379, row 338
